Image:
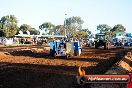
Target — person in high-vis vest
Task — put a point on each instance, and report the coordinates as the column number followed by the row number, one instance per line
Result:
column 106, row 40
column 97, row 40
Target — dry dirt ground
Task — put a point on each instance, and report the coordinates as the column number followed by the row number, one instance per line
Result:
column 30, row 67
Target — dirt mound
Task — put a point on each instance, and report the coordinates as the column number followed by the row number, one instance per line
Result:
column 123, row 66
column 126, row 62
column 4, row 54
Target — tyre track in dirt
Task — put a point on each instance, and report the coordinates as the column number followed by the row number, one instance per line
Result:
column 30, row 70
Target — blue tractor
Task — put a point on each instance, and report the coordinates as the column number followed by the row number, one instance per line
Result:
column 66, row 49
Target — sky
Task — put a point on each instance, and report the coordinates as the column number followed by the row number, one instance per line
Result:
column 92, row 12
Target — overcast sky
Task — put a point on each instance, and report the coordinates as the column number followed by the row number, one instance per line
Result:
column 93, row 12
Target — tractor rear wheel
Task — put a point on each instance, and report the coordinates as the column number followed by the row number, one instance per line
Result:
column 96, row 45
column 105, row 45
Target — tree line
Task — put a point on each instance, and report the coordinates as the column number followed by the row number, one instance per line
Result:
column 72, row 25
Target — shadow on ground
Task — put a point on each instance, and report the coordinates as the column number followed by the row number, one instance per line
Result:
column 13, row 75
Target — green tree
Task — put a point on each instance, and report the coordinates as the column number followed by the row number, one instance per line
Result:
column 59, row 29
column 81, row 34
column 8, row 25
column 73, row 24
column 25, row 27
column 89, row 33
column 118, row 28
column 104, row 28
column 0, row 26
column 1, row 32
column 33, row 31
column 47, row 26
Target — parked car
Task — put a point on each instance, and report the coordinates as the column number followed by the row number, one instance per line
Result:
column 118, row 43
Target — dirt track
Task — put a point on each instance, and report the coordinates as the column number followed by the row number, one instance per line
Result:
column 27, row 69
